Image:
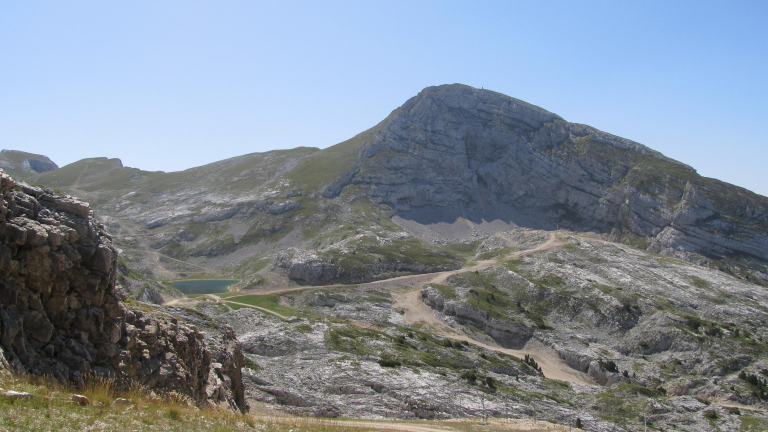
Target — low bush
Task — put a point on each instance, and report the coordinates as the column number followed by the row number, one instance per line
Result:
column 609, row 365
column 469, row 375
column 389, row 363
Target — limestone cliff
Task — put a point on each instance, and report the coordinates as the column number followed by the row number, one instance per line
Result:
column 455, row 151
column 62, row 316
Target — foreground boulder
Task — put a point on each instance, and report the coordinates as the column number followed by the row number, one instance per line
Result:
column 62, row 316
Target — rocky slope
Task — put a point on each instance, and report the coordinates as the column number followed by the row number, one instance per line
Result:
column 453, row 165
column 640, row 333
column 593, row 301
column 455, row 177
column 62, row 316
column 17, row 162
column 476, row 154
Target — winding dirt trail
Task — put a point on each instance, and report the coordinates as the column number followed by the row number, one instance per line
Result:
column 416, row 311
column 511, row 425
column 406, row 291
column 158, row 266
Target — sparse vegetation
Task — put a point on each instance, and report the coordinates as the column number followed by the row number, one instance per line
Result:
column 388, row 362
column 50, row 408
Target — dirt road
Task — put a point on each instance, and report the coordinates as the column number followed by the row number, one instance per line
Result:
column 495, row 425
column 416, row 311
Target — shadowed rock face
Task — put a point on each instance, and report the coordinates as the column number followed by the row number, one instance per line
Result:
column 14, row 160
column 61, row 314
column 482, row 155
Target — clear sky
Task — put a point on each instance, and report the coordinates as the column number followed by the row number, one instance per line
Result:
column 168, row 85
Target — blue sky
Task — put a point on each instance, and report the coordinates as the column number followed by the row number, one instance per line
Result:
column 171, row 85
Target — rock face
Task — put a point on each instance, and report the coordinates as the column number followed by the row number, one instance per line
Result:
column 14, row 160
column 312, row 268
column 61, row 315
column 483, row 155
column 507, row 334
column 454, row 164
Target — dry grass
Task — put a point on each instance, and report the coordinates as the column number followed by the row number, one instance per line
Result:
column 51, row 409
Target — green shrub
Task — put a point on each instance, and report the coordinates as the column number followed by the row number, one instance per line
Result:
column 609, row 365
column 532, row 363
column 389, row 363
column 693, row 322
column 469, row 375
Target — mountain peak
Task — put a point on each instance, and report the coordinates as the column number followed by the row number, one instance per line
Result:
column 458, row 92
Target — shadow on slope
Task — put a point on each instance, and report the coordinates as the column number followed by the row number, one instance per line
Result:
column 456, row 224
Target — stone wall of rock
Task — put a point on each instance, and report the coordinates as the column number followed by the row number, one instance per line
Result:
column 61, row 314
column 507, row 334
column 310, row 268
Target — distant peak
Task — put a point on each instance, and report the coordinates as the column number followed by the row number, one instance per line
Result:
column 20, row 160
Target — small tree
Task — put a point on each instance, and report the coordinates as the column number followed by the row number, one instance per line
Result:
column 578, row 423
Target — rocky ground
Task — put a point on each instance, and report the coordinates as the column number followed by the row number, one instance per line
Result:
column 450, row 167
column 645, row 335
column 654, row 304
column 63, row 316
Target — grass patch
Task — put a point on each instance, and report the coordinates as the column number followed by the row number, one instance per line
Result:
column 51, row 409
column 752, row 423
column 494, row 253
column 549, row 280
column 269, row 302
column 698, row 282
column 445, row 291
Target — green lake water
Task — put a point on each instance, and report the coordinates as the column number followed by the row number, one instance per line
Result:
column 203, row 286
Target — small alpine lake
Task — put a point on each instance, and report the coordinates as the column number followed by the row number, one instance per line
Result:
column 203, row 286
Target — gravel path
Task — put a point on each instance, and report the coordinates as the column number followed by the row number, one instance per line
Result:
column 416, row 311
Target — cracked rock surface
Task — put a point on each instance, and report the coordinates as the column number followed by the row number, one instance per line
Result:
column 61, row 314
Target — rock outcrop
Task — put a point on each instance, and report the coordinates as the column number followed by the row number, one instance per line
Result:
column 15, row 161
column 313, row 268
column 482, row 155
column 507, row 334
column 62, row 316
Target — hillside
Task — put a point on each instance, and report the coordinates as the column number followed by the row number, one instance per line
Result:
column 19, row 163
column 471, row 255
column 452, row 165
column 62, row 315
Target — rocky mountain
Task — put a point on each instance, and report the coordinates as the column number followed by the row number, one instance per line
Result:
column 470, row 255
column 452, row 165
column 62, row 316
column 454, row 152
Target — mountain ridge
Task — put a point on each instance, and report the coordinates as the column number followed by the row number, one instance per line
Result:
column 461, row 258
column 452, row 163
